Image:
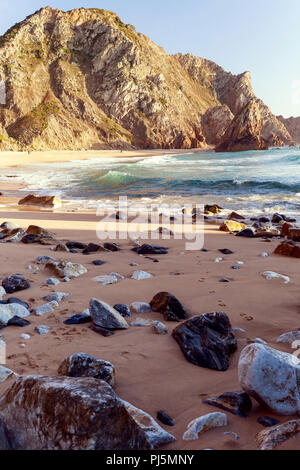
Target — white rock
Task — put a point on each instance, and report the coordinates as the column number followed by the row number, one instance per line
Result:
column 241, row 263
column 156, row 435
column 52, row 281
column 203, row 424
column 2, row 292
column 271, row 377
column 269, row 275
column 141, row 322
column 106, row 280
column 264, row 255
column 8, row 311
column 160, row 328
column 42, row 329
column 5, row 373
column 140, row 275
column 25, row 336
column 140, row 307
column 289, row 337
column 117, row 275
column 46, row 308
column 56, row 297
column 218, row 260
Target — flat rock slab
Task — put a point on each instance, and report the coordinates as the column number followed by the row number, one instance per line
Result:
column 207, row 340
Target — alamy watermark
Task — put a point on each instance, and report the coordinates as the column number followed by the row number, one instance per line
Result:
column 165, row 222
column 2, row 93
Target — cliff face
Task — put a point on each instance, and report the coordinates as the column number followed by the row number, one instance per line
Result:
column 244, row 132
column 292, row 124
column 84, row 79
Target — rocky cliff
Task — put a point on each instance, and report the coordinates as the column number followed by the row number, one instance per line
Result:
column 292, row 124
column 84, row 79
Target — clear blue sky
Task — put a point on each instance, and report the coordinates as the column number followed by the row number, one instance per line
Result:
column 262, row 36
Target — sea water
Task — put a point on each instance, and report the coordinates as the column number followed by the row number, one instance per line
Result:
column 248, row 182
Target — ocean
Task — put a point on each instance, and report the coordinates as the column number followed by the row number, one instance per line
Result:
column 248, row 182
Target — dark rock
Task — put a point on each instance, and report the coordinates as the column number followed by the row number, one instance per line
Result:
column 84, row 365
column 169, row 306
column 237, row 403
column 18, row 321
column 5, row 438
column 288, row 249
column 277, row 218
column 14, row 300
column 164, row 418
column 224, row 279
column 73, row 251
column 236, row 216
column 268, row 422
column 91, row 248
column 98, row 262
column 204, row 250
column 15, row 283
column 207, row 340
column 112, row 246
column 151, row 250
column 31, row 238
column 76, row 245
column 248, row 233
column 225, row 251
column 236, row 268
column 102, row 331
column 214, row 209
column 264, row 220
column 123, row 309
column 78, row 319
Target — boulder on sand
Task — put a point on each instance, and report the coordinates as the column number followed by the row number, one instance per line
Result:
column 65, row 269
column 288, row 248
column 169, row 306
column 51, row 202
column 15, row 283
column 207, row 340
column 232, row 226
column 271, row 438
column 84, row 365
column 105, row 316
column 271, row 377
column 66, row 413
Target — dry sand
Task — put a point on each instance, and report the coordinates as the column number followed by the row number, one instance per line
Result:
column 151, row 371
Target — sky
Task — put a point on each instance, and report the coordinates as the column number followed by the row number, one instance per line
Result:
column 261, row 36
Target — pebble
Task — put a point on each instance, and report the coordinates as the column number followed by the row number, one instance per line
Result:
column 268, row 422
column 241, row 263
column 56, row 297
column 236, row 268
column 133, row 264
column 46, row 308
column 264, row 255
column 42, row 329
column 218, row 260
column 164, row 418
column 79, row 319
column 140, row 307
column 140, row 322
column 224, row 279
column 141, row 275
column 25, row 336
column 123, row 309
column 52, row 281
column 226, row 251
column 160, row 328
column 98, row 262
column 106, row 280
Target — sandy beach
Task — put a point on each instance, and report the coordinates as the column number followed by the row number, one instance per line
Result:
column 151, row 371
